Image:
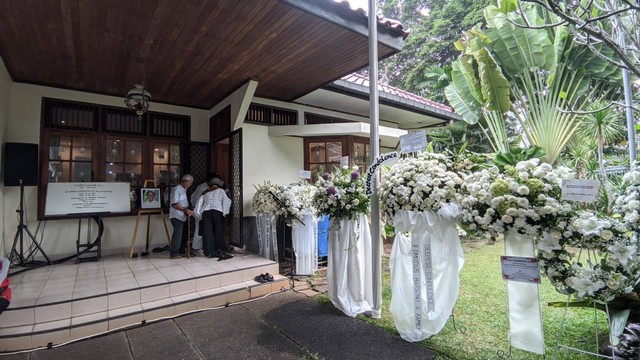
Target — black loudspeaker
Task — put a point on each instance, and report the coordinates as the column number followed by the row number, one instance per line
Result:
column 20, row 163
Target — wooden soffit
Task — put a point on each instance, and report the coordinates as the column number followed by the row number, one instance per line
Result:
column 194, row 52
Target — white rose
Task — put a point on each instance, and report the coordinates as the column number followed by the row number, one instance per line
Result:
column 507, row 219
column 607, row 235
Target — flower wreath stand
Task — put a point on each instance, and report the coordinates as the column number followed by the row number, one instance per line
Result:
column 267, row 236
column 349, row 270
column 525, row 315
column 304, row 238
column 425, row 268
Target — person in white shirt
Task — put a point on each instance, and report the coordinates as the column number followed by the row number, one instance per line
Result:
column 197, row 238
column 178, row 214
column 212, row 206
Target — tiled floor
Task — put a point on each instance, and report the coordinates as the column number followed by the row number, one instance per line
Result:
column 59, row 303
column 69, row 281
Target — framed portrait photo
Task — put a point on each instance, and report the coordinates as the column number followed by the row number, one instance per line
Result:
column 150, row 198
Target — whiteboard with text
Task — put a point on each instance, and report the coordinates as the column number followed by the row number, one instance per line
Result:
column 67, row 198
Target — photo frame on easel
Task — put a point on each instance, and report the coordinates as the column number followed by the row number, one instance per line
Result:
column 150, row 198
column 149, row 185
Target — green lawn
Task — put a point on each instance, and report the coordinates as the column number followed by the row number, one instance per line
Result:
column 482, row 310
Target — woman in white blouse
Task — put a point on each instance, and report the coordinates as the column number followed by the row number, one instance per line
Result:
column 212, row 206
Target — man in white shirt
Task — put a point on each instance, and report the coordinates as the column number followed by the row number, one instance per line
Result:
column 178, row 214
column 197, row 238
column 212, row 206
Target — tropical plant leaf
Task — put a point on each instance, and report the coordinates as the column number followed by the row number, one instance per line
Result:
column 494, row 86
column 470, row 111
column 516, row 48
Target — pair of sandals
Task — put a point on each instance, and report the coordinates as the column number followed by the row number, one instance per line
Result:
column 263, row 278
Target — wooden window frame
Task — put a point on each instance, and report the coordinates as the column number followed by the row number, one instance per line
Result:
column 100, row 137
column 270, row 117
column 348, row 142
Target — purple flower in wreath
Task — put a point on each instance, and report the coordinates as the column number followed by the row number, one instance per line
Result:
column 331, row 190
column 325, row 176
column 355, row 175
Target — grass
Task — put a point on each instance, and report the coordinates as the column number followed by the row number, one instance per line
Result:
column 482, row 310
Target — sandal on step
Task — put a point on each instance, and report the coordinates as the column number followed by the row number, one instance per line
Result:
column 268, row 276
column 260, row 278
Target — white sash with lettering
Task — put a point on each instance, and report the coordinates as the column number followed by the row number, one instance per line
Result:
column 305, row 245
column 267, row 236
column 425, row 268
column 525, row 319
column 349, row 268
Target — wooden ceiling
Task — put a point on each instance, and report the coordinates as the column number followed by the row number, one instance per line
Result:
column 195, row 52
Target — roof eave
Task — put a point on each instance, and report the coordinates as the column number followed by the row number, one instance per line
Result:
column 386, row 36
column 362, row 92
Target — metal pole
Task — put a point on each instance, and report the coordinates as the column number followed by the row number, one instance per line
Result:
column 631, row 123
column 376, row 312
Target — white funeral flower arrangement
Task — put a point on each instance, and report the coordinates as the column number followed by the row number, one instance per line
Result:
column 341, row 194
column 628, row 203
column 421, row 183
column 589, row 256
column 298, row 201
column 524, row 198
column 264, row 201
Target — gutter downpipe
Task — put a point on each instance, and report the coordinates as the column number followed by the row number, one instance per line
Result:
column 374, row 138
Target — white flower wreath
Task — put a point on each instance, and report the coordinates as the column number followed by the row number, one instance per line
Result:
column 421, row 183
column 589, row 256
column 628, row 203
column 264, row 201
column 297, row 199
column 523, row 198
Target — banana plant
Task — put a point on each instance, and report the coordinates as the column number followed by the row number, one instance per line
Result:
column 538, row 76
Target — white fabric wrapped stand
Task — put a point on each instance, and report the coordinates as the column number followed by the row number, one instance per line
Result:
column 525, row 316
column 349, row 270
column 304, row 239
column 267, row 236
column 424, row 290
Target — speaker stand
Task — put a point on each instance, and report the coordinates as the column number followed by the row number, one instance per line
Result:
column 18, row 239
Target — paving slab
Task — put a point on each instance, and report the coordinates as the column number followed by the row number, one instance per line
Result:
column 327, row 332
column 161, row 340
column 235, row 333
column 110, row 347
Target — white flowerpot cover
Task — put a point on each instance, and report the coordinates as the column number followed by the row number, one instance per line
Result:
column 305, row 244
column 414, row 316
column 349, row 271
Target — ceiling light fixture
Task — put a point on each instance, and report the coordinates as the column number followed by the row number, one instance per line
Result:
column 138, row 98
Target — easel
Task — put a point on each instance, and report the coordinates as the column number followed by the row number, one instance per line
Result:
column 148, row 212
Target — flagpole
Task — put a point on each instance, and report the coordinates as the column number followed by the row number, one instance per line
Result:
column 374, row 115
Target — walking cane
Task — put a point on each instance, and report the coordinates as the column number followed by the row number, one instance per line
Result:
column 188, row 237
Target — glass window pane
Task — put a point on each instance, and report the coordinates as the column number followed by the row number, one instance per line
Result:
column 81, row 172
column 58, row 171
column 114, row 150
column 317, row 170
column 59, row 147
column 160, row 154
column 334, row 151
column 114, row 172
column 175, row 154
column 161, row 174
column 316, row 152
column 133, row 152
column 174, row 173
column 81, row 149
column 359, row 153
column 133, row 174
